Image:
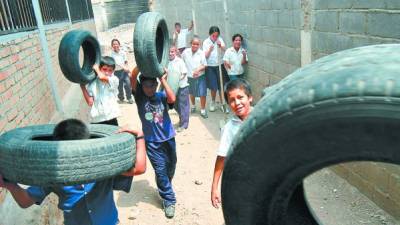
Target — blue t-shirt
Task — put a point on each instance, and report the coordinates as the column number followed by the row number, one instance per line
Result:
column 153, row 113
column 91, row 203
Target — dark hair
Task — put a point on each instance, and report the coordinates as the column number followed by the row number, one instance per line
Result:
column 237, row 35
column 177, row 24
column 213, row 29
column 107, row 61
column 237, row 84
column 71, row 129
column 112, row 41
column 143, row 78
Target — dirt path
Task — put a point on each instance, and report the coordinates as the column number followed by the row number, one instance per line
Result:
column 332, row 198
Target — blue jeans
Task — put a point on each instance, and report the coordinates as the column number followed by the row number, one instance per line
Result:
column 162, row 156
column 124, row 83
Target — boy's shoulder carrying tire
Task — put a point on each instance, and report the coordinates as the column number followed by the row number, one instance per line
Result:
column 151, row 44
column 343, row 107
column 29, row 156
column 69, row 54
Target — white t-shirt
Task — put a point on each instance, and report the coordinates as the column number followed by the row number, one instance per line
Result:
column 193, row 61
column 105, row 106
column 228, row 132
column 213, row 60
column 177, row 67
column 181, row 40
column 120, row 59
column 234, row 58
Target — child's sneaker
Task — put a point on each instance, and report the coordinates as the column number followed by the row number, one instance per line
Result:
column 169, row 210
column 212, row 106
column 120, row 101
column 193, row 109
column 130, row 101
column 179, row 129
column 204, row 114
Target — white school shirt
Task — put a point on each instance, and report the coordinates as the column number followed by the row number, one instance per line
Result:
column 212, row 60
column 105, row 106
column 177, row 67
column 228, row 133
column 120, row 59
column 234, row 58
column 181, row 41
column 193, row 61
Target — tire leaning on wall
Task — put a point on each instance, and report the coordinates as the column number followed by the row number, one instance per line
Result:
column 341, row 108
column 68, row 56
column 151, row 44
column 29, row 156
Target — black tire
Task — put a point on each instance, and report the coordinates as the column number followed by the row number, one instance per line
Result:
column 29, row 156
column 341, row 108
column 68, row 56
column 151, row 44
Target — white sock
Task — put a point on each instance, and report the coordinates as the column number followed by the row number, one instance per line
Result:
column 203, row 111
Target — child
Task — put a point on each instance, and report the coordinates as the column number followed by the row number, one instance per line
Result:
column 213, row 56
column 91, row 203
column 177, row 67
column 159, row 133
column 121, row 71
column 235, row 57
column 238, row 96
column 195, row 61
column 101, row 94
column 179, row 36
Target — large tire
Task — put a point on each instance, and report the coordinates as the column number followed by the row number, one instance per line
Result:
column 341, row 108
column 29, row 156
column 68, row 56
column 151, row 44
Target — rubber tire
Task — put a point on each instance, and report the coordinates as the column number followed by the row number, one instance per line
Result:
column 29, row 156
column 151, row 44
column 341, row 108
column 68, row 56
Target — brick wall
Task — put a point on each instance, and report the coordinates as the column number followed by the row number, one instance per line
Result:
column 283, row 35
column 26, row 99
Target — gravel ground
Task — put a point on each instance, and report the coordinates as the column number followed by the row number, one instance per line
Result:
column 334, row 200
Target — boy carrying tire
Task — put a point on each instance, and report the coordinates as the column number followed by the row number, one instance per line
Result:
column 101, row 93
column 158, row 131
column 84, row 204
column 238, row 95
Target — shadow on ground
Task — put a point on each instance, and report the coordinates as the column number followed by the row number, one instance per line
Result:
column 141, row 191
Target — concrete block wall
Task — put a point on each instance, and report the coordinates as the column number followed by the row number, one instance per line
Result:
column 26, row 99
column 283, row 35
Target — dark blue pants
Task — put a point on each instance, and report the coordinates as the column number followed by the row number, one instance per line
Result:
column 162, row 156
column 124, row 83
column 182, row 106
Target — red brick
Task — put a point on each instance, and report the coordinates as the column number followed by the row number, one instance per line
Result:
column 3, row 75
column 20, row 65
column 12, row 114
column 2, row 86
column 3, row 122
column 5, row 51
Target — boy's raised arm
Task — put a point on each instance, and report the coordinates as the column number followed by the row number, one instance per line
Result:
column 89, row 99
column 168, row 91
column 140, row 161
column 133, row 77
column 19, row 194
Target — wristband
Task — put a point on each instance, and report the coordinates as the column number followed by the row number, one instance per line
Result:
column 139, row 137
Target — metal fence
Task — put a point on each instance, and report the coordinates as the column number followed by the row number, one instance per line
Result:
column 80, row 10
column 53, row 11
column 16, row 16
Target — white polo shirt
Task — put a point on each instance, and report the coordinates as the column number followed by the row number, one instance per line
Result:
column 181, row 40
column 177, row 68
column 228, row 133
column 120, row 59
column 234, row 58
column 213, row 60
column 105, row 106
column 193, row 60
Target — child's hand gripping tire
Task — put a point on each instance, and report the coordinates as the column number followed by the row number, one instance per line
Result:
column 341, row 108
column 68, row 56
column 28, row 155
